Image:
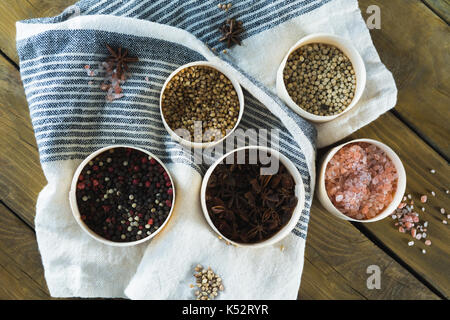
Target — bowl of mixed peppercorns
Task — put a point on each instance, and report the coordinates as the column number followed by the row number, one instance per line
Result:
column 321, row 77
column 201, row 104
column 122, row 195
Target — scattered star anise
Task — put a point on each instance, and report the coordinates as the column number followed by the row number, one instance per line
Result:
column 231, row 31
column 121, row 59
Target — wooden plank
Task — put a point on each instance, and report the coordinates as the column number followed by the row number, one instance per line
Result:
column 15, row 10
column 21, row 271
column 21, row 176
column 21, row 180
column 440, row 7
column 418, row 158
column 413, row 42
column 419, row 67
column 337, row 257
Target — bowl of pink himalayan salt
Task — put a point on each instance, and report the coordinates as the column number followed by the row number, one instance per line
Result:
column 362, row 180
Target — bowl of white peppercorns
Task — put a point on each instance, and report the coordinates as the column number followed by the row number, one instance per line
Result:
column 201, row 104
column 321, row 77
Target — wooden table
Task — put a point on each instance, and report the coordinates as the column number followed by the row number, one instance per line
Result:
column 413, row 42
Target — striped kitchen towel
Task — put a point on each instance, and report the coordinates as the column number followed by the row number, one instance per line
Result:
column 71, row 118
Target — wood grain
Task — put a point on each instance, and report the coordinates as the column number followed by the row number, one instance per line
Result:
column 413, row 43
column 21, row 176
column 21, row 272
column 418, row 158
column 440, row 7
column 337, row 257
column 22, row 179
column 337, row 254
column 16, row 10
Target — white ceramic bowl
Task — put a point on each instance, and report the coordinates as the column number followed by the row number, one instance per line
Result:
column 236, row 86
column 401, row 182
column 299, row 192
column 348, row 49
column 76, row 212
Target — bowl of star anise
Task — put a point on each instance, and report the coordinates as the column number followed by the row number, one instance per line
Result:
column 252, row 196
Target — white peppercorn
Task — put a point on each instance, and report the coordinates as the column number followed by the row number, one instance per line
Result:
column 320, row 79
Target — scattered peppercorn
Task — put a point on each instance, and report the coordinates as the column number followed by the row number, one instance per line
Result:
column 209, row 283
column 121, row 197
column 320, row 79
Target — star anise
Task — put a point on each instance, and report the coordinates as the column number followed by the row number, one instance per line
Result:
column 231, row 31
column 121, row 59
column 246, row 206
column 256, row 233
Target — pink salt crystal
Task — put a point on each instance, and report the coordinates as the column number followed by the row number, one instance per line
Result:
column 413, row 232
column 364, row 177
column 401, row 229
column 428, row 242
column 402, row 205
column 423, row 199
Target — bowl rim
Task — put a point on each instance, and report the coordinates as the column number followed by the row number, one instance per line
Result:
column 348, row 49
column 399, row 193
column 74, row 205
column 296, row 214
column 237, row 88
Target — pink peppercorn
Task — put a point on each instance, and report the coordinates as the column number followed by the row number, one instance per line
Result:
column 81, row 186
column 170, row 191
column 152, row 161
column 147, row 184
column 168, row 203
column 150, row 221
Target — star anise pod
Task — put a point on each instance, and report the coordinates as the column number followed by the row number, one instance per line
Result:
column 121, row 59
column 231, row 31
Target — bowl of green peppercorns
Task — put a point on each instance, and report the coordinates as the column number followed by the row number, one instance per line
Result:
column 321, row 77
column 201, row 104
